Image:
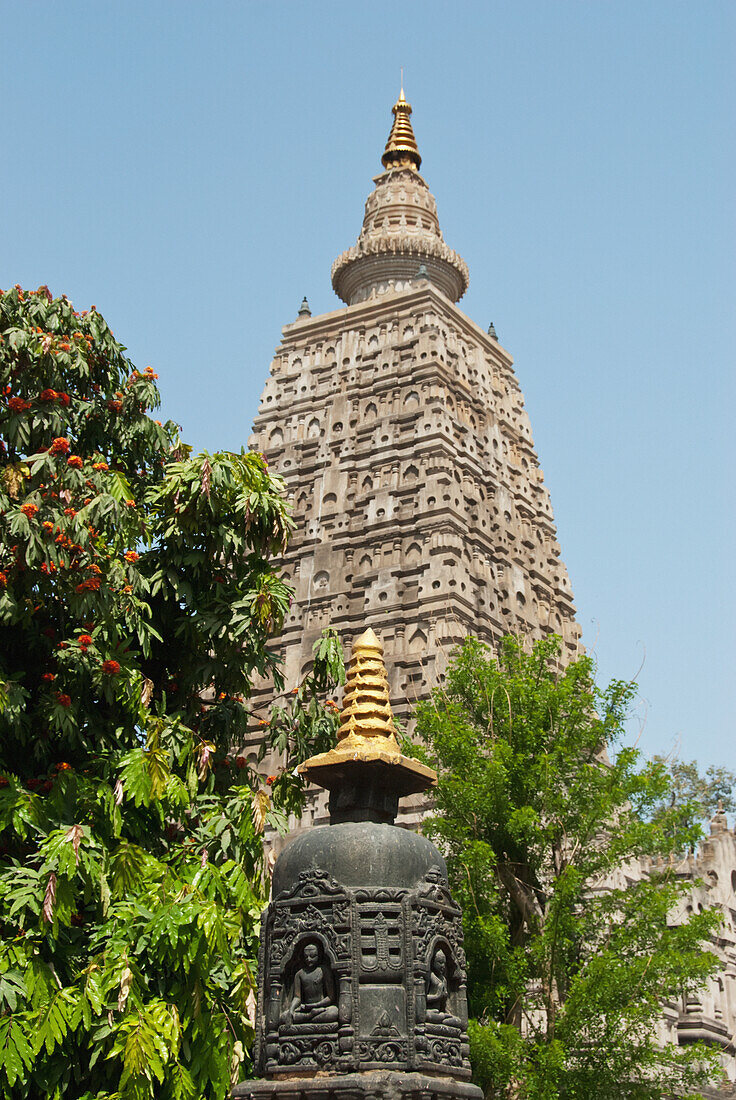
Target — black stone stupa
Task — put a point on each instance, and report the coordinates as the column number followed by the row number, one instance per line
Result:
column 361, row 969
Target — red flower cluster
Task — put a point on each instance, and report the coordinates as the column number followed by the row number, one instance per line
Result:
column 92, row 584
column 100, row 466
column 3, row 580
column 63, row 700
column 60, row 446
column 29, row 510
column 49, row 677
column 48, row 526
column 18, row 405
column 75, row 461
column 115, row 406
column 131, row 556
column 110, row 668
column 48, row 395
column 85, row 640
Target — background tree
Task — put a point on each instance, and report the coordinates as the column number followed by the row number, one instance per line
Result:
column 702, row 793
column 137, row 595
column 568, row 958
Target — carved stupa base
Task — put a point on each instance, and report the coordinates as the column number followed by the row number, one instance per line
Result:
column 382, row 1084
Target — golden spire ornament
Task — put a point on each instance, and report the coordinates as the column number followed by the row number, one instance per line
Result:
column 401, row 148
column 367, row 753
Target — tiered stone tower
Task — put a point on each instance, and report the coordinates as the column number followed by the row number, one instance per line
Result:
column 399, row 427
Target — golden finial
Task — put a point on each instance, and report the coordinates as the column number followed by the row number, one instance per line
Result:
column 366, row 707
column 401, row 148
column 366, row 734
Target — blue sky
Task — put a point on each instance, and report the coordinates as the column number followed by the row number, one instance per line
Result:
column 193, row 170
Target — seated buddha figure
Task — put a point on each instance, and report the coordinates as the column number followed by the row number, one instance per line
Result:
column 313, row 1000
column 438, row 992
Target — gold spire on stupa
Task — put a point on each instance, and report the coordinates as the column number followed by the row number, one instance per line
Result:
column 366, row 734
column 366, row 707
column 401, row 148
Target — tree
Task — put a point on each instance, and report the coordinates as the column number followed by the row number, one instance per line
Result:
column 137, row 595
column 569, row 958
column 702, row 793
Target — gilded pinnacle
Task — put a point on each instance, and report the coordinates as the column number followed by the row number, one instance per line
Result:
column 366, row 738
column 366, row 709
column 401, row 148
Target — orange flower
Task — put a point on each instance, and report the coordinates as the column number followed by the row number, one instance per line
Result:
column 110, row 668
column 47, row 526
column 100, row 466
column 75, row 461
column 84, row 640
column 92, row 584
column 114, row 406
column 48, row 395
column 29, row 510
column 131, row 556
column 63, row 700
column 63, row 767
column 60, row 446
column 18, row 405
column 70, row 511
column 49, row 677
column 3, row 580
column 64, row 399
column 270, row 779
column 130, row 503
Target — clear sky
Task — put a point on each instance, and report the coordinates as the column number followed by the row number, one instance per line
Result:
column 193, row 169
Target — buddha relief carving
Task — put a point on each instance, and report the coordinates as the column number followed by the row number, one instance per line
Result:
column 313, row 998
column 438, row 992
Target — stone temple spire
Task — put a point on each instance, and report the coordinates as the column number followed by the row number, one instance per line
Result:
column 401, row 231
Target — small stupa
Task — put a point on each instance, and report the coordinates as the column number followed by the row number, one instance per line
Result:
column 362, row 983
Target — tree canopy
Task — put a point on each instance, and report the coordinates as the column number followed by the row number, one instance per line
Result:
column 569, row 956
column 137, row 595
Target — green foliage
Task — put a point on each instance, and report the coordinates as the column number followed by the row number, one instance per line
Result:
column 569, row 959
column 704, row 794
column 137, row 597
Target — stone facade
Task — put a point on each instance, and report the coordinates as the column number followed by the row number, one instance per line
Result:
column 710, row 1015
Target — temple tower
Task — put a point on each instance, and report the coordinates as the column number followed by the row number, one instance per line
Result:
column 399, row 427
